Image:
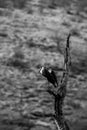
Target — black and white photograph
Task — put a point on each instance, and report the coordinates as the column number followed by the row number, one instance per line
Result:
column 43, row 64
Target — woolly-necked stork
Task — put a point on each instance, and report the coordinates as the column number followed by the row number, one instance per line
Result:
column 50, row 75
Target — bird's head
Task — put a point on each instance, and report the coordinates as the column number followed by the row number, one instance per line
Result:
column 43, row 71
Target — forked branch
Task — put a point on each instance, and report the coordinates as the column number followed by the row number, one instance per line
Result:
column 59, row 89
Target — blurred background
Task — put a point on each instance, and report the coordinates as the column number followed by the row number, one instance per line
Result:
column 33, row 34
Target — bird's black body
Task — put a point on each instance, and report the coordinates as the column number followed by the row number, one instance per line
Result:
column 50, row 75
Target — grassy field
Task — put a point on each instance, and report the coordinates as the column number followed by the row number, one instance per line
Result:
column 28, row 42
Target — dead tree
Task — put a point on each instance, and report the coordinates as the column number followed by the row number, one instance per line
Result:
column 59, row 91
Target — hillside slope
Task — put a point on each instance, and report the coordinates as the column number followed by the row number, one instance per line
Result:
column 28, row 42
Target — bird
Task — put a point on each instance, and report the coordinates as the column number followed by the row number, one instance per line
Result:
column 50, row 75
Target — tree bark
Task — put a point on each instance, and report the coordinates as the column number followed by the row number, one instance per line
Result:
column 59, row 93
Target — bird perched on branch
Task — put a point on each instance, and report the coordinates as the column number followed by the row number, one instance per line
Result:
column 50, row 75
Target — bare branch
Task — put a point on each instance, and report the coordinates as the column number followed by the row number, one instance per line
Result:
column 59, row 90
column 67, row 61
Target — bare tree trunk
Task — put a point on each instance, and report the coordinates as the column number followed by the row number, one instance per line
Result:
column 59, row 92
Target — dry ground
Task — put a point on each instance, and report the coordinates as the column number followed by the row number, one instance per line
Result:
column 27, row 42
